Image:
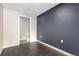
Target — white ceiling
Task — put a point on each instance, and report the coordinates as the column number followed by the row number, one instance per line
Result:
column 34, row 9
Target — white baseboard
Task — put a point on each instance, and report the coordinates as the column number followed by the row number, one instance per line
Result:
column 7, row 46
column 57, row 49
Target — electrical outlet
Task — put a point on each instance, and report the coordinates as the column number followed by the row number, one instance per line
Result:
column 61, row 41
column 41, row 36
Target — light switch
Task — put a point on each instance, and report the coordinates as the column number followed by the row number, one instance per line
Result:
column 61, row 41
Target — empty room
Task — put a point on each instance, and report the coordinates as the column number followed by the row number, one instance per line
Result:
column 39, row 29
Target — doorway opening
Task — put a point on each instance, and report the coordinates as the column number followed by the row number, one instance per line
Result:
column 24, row 30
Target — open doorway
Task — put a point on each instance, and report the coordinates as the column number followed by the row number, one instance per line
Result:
column 24, row 30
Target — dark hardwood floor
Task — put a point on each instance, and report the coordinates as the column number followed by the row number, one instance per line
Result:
column 30, row 49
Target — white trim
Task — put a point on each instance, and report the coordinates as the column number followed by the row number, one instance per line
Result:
column 57, row 49
column 7, row 46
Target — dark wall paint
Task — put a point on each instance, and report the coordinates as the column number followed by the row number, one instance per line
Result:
column 60, row 23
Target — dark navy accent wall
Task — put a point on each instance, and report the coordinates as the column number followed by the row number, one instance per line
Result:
column 60, row 23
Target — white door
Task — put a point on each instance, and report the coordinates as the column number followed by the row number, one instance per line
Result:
column 24, row 30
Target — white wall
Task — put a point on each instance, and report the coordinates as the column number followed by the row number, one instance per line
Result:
column 1, row 28
column 12, row 27
column 33, row 28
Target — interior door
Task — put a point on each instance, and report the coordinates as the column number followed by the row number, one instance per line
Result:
column 24, row 30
